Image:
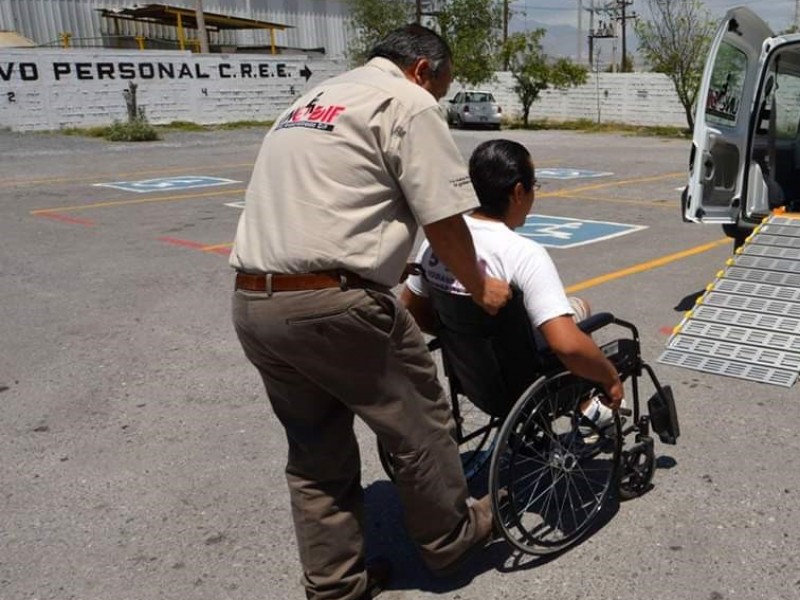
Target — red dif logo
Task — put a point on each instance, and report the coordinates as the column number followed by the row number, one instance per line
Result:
column 313, row 116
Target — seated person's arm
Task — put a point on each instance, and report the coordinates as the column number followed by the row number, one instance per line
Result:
column 578, row 353
column 420, row 308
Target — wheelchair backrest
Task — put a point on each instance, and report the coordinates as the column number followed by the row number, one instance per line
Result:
column 490, row 359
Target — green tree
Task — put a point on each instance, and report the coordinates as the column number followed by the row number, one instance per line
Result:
column 370, row 21
column 675, row 41
column 472, row 28
column 534, row 71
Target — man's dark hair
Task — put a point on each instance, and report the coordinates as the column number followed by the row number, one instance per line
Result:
column 495, row 167
column 406, row 45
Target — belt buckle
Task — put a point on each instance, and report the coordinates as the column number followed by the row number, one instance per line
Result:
column 268, row 284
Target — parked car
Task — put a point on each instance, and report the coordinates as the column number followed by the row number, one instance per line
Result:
column 477, row 108
column 745, row 155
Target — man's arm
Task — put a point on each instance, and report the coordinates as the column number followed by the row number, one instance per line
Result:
column 452, row 244
column 578, row 352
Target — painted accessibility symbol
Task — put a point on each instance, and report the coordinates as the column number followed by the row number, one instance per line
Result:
column 163, row 184
column 563, row 232
column 559, row 173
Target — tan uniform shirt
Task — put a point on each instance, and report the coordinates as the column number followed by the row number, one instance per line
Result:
column 346, row 174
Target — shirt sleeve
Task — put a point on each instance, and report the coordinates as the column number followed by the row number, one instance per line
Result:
column 417, row 283
column 536, row 275
column 431, row 171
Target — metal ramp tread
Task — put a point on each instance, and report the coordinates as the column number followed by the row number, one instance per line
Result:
column 767, row 239
column 729, row 368
column 773, row 251
column 760, row 290
column 744, row 319
column 747, row 323
column 768, row 264
column 752, row 304
column 742, row 335
column 771, row 277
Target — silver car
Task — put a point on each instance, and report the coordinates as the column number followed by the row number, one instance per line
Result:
column 474, row 108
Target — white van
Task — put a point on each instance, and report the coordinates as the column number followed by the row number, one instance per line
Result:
column 745, row 156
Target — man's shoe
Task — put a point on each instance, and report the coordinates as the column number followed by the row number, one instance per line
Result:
column 379, row 574
column 484, row 527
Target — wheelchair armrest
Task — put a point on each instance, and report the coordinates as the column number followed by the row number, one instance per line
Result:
column 434, row 344
column 595, row 322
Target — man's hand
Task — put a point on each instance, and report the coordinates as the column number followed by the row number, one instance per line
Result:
column 614, row 394
column 493, row 296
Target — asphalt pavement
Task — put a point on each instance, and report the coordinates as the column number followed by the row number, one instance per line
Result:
column 141, row 460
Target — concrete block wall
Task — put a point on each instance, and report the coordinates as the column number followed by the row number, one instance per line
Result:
column 48, row 89
column 631, row 98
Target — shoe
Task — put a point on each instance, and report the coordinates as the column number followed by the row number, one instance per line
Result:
column 484, row 528
column 379, row 574
column 597, row 417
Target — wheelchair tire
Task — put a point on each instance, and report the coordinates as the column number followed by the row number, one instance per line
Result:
column 475, row 433
column 638, row 468
column 549, row 483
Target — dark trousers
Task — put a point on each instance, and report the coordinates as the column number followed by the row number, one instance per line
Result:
column 325, row 356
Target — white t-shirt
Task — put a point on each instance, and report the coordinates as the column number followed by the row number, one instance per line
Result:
column 505, row 255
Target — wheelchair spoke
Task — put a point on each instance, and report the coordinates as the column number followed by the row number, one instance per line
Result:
column 557, row 482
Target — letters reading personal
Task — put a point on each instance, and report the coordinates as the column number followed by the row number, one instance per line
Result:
column 89, row 71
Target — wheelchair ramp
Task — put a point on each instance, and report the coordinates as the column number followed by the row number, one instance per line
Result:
column 747, row 323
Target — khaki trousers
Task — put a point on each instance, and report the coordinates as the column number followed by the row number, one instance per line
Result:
column 325, row 356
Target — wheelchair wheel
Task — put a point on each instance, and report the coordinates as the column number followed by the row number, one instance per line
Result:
column 548, row 481
column 638, row 468
column 475, row 430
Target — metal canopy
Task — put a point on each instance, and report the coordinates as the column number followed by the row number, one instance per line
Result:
column 165, row 14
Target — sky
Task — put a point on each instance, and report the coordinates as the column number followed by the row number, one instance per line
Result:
column 778, row 14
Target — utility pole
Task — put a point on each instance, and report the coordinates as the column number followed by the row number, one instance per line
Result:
column 505, row 20
column 623, row 19
column 419, row 12
column 580, row 32
column 797, row 15
column 201, row 26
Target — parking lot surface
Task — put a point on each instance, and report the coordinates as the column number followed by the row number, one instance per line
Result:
column 141, row 460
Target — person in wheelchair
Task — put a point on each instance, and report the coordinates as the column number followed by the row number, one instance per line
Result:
column 503, row 175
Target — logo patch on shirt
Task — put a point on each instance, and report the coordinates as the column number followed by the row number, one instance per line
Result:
column 460, row 182
column 313, row 116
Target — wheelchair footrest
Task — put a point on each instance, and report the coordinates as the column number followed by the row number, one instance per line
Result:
column 664, row 416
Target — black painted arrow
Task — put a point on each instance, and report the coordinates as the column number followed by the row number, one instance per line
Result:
column 305, row 72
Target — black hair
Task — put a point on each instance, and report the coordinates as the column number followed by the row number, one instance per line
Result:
column 406, row 45
column 495, row 167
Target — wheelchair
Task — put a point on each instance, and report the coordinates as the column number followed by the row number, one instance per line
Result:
column 517, row 409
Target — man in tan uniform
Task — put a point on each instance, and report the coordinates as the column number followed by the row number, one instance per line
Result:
column 340, row 185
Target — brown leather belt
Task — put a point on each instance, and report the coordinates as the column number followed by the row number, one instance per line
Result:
column 296, row 282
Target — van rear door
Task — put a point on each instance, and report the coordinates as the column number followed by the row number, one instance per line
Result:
column 724, row 104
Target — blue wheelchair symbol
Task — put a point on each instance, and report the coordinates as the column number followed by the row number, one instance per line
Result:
column 563, row 232
column 559, row 173
column 164, row 184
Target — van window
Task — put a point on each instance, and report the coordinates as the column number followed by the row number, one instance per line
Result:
column 727, row 83
column 787, row 105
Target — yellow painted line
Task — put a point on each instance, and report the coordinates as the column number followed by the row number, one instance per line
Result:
column 646, row 266
column 62, row 209
column 214, row 247
column 670, row 204
column 608, row 184
column 118, row 176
